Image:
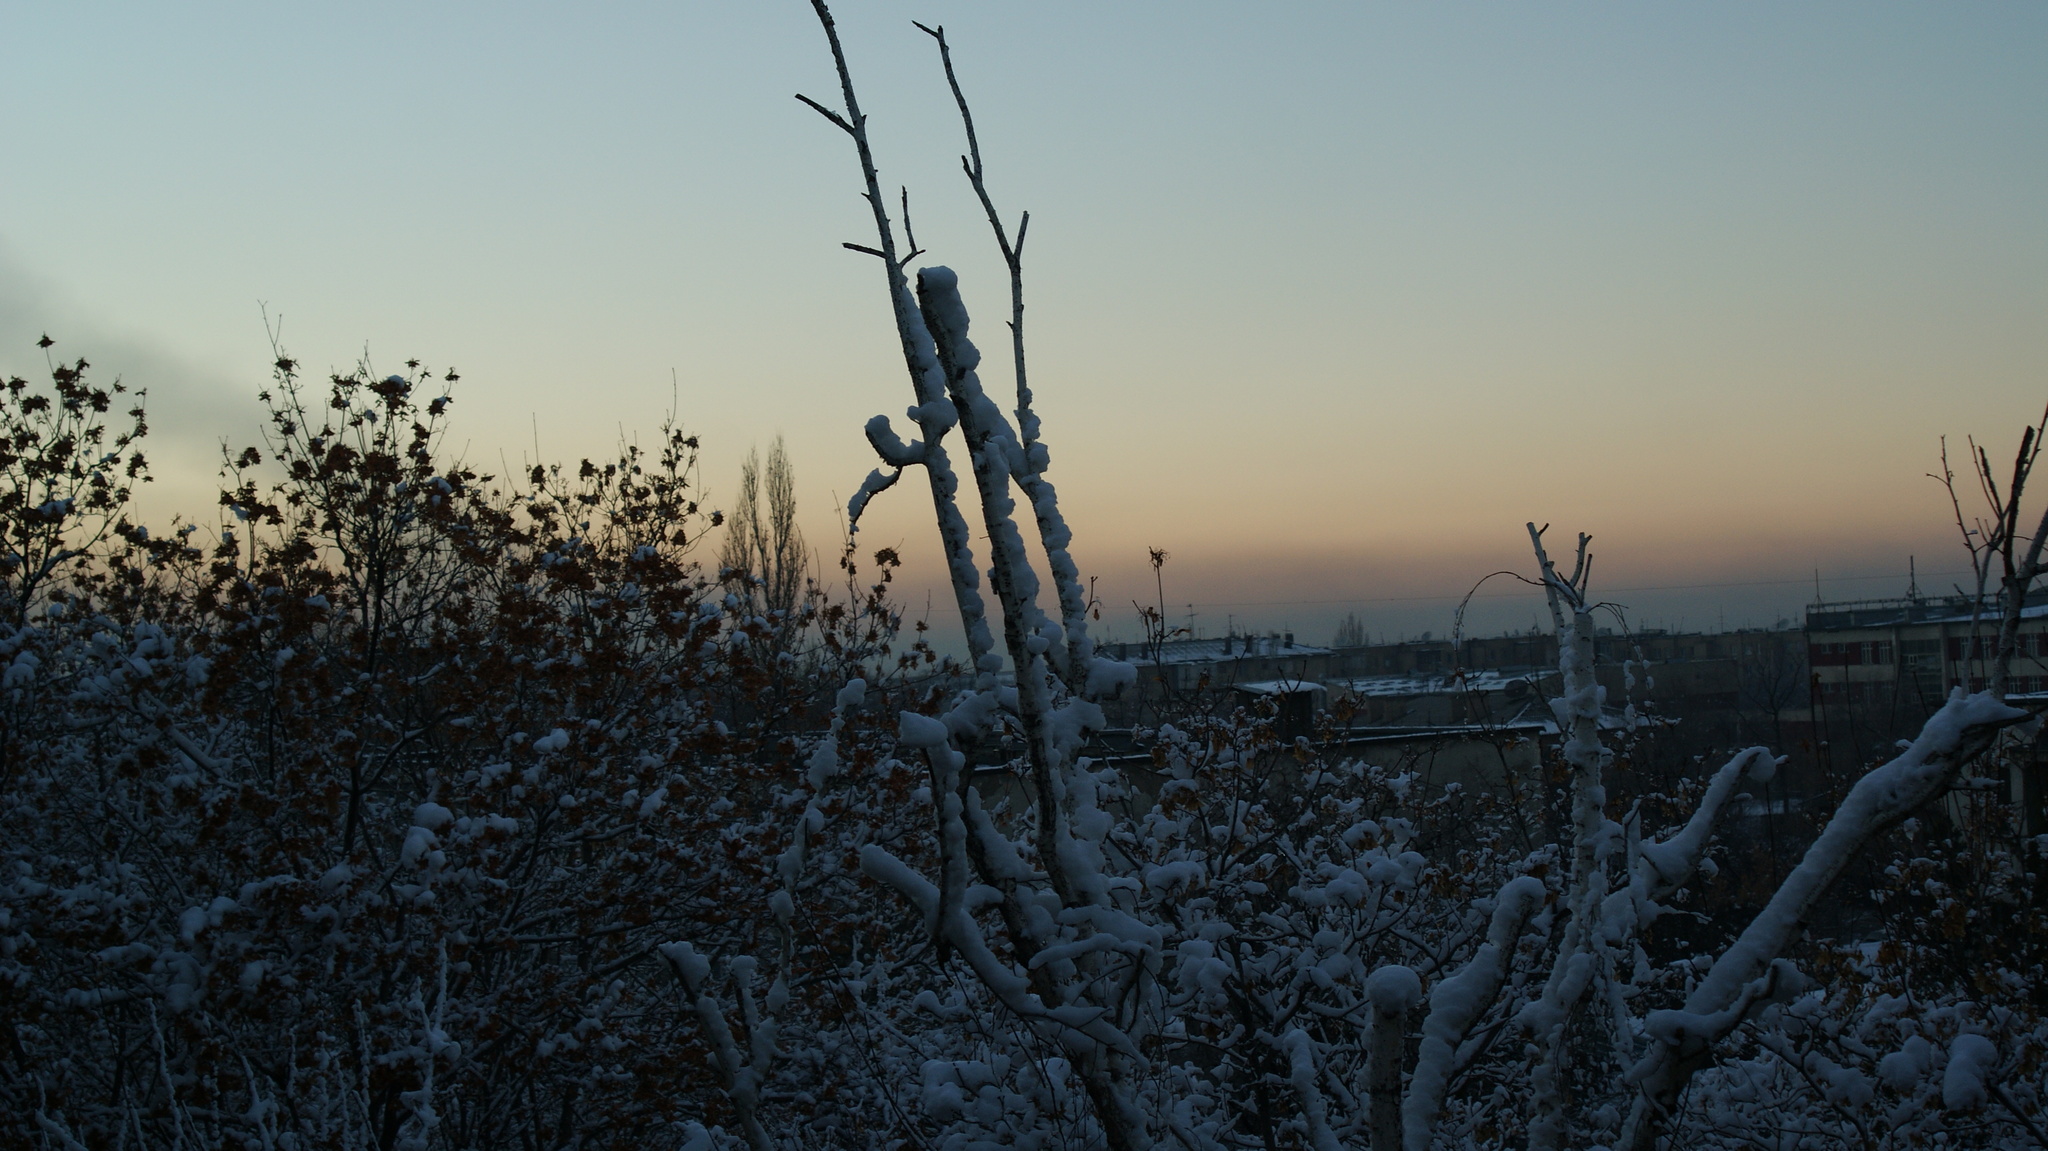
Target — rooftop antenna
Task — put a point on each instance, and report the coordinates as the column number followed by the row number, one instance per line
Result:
column 1912, row 580
column 1816, row 586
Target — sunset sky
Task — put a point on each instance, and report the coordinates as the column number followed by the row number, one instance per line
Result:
column 1326, row 299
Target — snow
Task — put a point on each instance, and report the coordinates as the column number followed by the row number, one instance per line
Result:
column 1457, row 1003
column 1301, row 1066
column 1108, row 677
column 1276, row 687
column 1179, row 651
column 1079, row 963
column 1904, row 1068
column 1402, row 686
column 1664, row 866
column 891, row 447
column 1965, row 1084
column 921, row 731
column 875, row 484
column 1885, row 794
column 853, row 695
column 1394, row 989
column 1750, row 971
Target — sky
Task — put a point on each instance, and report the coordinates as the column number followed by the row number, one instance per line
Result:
column 1327, row 300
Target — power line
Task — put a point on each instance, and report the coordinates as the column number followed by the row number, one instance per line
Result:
column 1525, row 592
column 1514, row 592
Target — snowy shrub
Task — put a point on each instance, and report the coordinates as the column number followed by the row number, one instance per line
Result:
column 416, row 807
column 362, row 822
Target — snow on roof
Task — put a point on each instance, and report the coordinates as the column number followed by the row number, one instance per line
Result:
column 1382, row 686
column 1278, row 687
column 1611, row 719
column 1992, row 613
column 1220, row 650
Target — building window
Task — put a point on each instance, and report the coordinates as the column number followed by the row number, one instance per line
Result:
column 1981, row 649
column 1834, row 654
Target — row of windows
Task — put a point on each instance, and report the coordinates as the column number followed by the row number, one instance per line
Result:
column 1849, row 654
column 2029, row 644
column 2014, row 684
column 1855, row 653
column 1875, row 690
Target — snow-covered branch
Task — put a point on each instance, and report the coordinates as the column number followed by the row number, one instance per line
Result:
column 1580, row 959
column 1456, row 1005
column 1955, row 735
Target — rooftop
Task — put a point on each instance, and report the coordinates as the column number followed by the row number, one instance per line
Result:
column 1842, row 615
column 1405, row 685
column 1279, row 687
column 1221, row 650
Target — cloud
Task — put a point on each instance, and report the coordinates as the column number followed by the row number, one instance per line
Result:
column 192, row 407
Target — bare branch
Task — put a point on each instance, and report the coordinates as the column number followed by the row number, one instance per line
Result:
column 909, row 237
column 827, row 113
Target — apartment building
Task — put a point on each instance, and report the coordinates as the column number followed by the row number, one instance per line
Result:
column 1912, row 651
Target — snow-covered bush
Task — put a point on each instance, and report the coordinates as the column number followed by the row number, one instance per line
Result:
column 417, row 807
column 364, row 821
column 1271, row 950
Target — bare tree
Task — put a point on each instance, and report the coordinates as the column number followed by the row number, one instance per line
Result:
column 1993, row 541
column 1772, row 678
column 768, row 549
column 1350, row 633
